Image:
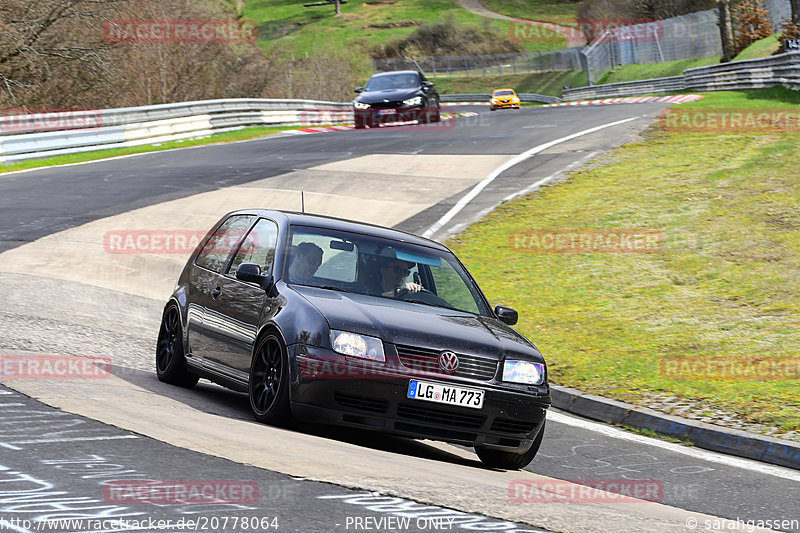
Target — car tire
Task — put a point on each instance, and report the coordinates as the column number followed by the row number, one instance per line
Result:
column 170, row 359
column 268, row 386
column 510, row 460
column 436, row 116
column 360, row 123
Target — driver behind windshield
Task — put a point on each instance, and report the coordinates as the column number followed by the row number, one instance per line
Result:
column 393, row 277
column 305, row 261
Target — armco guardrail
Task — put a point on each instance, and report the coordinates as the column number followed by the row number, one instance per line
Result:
column 525, row 97
column 67, row 132
column 783, row 69
column 628, row 88
column 57, row 133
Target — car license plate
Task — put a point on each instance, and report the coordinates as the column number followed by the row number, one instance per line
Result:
column 447, row 394
column 387, row 111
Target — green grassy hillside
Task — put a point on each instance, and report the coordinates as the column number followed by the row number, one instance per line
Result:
column 287, row 28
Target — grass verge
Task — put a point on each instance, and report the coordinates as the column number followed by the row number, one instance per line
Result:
column 722, row 297
column 557, row 11
column 547, row 83
column 761, row 48
column 230, row 136
column 655, row 70
column 288, row 27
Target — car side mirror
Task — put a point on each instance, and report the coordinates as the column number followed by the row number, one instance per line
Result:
column 427, row 84
column 251, row 273
column 506, row 315
column 359, row 89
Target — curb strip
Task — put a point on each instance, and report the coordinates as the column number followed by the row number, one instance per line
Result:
column 707, row 436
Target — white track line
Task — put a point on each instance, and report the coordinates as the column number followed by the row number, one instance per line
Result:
column 75, row 439
column 461, row 204
column 705, row 455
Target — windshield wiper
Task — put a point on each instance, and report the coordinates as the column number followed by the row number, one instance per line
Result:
column 429, row 304
column 330, row 288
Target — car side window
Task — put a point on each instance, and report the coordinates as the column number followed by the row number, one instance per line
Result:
column 215, row 252
column 258, row 247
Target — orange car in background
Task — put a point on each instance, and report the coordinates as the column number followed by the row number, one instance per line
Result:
column 504, row 98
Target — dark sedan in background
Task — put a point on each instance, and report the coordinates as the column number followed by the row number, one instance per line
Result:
column 399, row 96
column 333, row 321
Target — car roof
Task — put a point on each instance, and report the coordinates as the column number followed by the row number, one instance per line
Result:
column 321, row 221
column 503, row 90
column 414, row 72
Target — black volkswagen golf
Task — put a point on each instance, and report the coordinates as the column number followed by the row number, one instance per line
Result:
column 327, row 320
column 399, row 96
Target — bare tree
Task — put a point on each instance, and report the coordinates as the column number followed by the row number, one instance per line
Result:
column 726, row 30
column 54, row 45
column 61, row 53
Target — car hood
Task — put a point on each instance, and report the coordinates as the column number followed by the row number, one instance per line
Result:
column 418, row 325
column 392, row 95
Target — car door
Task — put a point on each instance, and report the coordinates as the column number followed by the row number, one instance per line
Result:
column 235, row 307
column 212, row 259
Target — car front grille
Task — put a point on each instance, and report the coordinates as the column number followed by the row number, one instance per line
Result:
column 432, row 415
column 386, row 105
column 427, row 360
column 361, row 403
column 504, row 425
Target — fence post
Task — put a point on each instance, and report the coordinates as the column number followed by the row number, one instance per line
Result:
column 585, row 62
column 433, row 63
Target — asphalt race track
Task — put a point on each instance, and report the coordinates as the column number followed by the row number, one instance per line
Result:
column 69, row 289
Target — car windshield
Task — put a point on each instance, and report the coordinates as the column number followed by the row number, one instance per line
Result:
column 503, row 93
column 383, row 268
column 392, row 81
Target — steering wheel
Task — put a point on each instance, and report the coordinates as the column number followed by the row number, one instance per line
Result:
column 422, row 296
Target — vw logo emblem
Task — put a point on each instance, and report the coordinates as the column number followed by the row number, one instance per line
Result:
column 448, row 362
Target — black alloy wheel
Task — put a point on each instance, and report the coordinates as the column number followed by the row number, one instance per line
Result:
column 170, row 359
column 269, row 382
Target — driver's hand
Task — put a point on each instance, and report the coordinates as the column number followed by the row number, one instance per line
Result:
column 412, row 287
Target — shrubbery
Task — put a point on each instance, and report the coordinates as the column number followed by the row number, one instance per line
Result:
column 444, row 38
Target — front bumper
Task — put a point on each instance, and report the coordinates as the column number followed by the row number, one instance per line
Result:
column 509, row 420
column 401, row 114
column 504, row 105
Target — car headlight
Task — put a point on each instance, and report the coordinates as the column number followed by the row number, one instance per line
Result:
column 359, row 105
column 494, row 100
column 515, row 99
column 524, row 372
column 357, row 345
column 417, row 100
